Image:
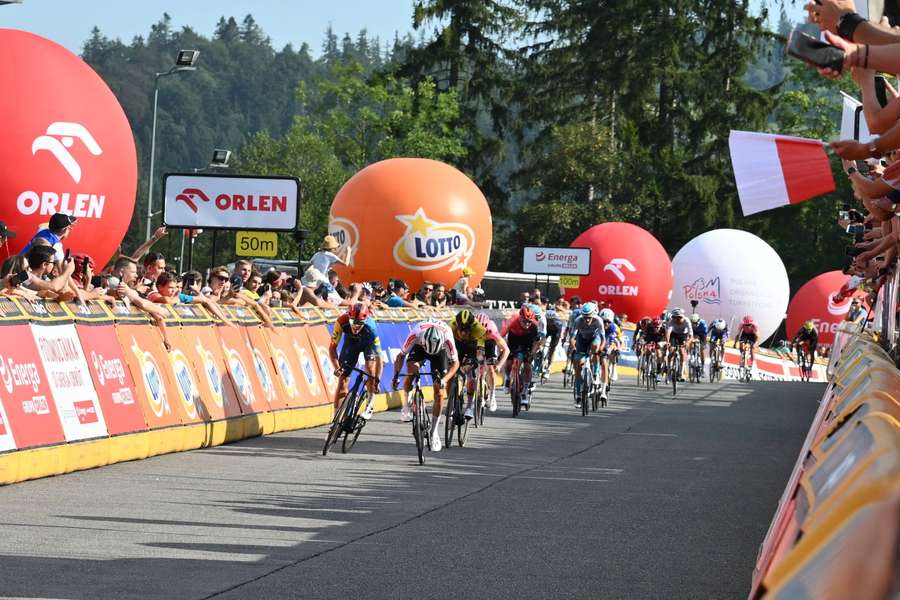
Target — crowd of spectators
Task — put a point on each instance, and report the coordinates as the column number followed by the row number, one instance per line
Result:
column 873, row 167
column 44, row 269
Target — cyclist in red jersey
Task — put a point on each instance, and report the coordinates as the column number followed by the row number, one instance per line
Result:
column 748, row 332
column 522, row 337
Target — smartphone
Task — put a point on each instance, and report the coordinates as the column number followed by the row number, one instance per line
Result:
column 236, row 282
column 68, row 253
column 19, row 278
column 84, row 268
column 844, row 215
column 815, row 52
column 881, row 90
column 261, row 290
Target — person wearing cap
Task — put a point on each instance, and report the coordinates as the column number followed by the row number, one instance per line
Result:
column 325, row 257
column 461, row 287
column 58, row 229
column 397, row 299
column 857, row 313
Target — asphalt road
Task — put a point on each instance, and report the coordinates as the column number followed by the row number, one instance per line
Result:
column 652, row 498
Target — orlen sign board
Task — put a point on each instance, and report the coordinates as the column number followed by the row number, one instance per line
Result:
column 67, row 147
column 556, row 261
column 230, row 202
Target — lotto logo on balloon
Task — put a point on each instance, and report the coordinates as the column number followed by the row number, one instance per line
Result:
column 413, row 219
column 68, row 149
column 428, row 244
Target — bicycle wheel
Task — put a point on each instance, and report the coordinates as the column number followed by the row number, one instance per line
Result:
column 420, row 428
column 485, row 388
column 337, row 424
column 462, row 423
column 585, row 388
column 450, row 411
column 514, row 391
column 524, row 386
column 675, row 372
column 358, row 423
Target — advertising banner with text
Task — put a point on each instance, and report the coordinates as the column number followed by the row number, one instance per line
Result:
column 538, row 260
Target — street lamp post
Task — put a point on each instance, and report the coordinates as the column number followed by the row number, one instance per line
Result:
column 184, row 62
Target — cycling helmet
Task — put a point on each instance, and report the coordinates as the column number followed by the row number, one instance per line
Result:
column 465, row 319
column 589, row 309
column 809, row 326
column 747, row 320
column 657, row 323
column 478, row 294
column 665, row 315
column 358, row 312
column 483, row 319
column 695, row 318
column 719, row 325
column 526, row 313
column 677, row 312
column 607, row 315
column 432, row 340
column 644, row 321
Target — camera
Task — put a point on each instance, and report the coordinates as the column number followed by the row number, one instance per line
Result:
column 263, row 289
column 844, row 215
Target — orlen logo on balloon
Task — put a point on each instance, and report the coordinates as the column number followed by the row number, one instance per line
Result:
column 59, row 137
column 618, row 267
column 701, row 290
column 838, row 309
column 346, row 233
column 428, row 244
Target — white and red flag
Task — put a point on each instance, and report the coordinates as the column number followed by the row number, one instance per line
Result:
column 777, row 170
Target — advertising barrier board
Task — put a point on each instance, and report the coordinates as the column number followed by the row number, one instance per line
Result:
column 539, row 260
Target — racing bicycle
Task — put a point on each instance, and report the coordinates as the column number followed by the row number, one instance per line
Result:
column 716, row 352
column 744, row 370
column 421, row 423
column 347, row 420
column 804, row 361
column 454, row 412
column 695, row 363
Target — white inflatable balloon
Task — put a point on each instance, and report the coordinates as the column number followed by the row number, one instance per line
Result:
column 731, row 273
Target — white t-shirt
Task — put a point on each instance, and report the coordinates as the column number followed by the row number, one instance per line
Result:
column 460, row 286
column 322, row 260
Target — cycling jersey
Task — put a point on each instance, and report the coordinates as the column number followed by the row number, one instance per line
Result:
column 748, row 330
column 514, row 327
column 554, row 322
column 680, row 329
column 583, row 329
column 541, row 319
column 476, row 335
column 570, row 325
column 700, row 329
column 612, row 332
column 812, row 337
column 364, row 341
column 418, row 333
column 715, row 335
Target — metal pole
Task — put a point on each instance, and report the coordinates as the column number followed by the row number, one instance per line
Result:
column 190, row 258
column 152, row 153
column 213, row 262
column 181, row 251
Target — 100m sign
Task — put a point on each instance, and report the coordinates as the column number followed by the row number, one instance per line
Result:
column 257, row 243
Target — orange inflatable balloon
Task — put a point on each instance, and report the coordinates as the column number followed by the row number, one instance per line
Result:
column 413, row 219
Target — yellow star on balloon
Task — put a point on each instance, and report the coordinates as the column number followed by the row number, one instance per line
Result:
column 417, row 223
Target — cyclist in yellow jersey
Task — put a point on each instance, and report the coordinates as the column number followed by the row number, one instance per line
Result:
column 469, row 336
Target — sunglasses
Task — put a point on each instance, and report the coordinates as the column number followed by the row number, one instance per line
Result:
column 428, row 289
column 357, row 322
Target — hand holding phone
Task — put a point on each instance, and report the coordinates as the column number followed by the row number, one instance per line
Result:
column 19, row 278
column 68, row 255
column 814, row 51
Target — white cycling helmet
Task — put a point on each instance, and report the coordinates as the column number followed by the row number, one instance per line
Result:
column 589, row 309
column 695, row 318
column 677, row 312
column 432, row 340
column 607, row 315
column 719, row 324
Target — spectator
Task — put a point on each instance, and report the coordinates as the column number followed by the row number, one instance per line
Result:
column 536, row 296
column 425, row 293
column 251, row 285
column 325, row 257
column 14, row 274
column 276, row 280
column 335, row 282
column 461, row 287
column 58, row 229
column 524, row 299
column 166, row 291
column 397, row 298
column 154, row 264
column 856, row 314
column 42, row 266
column 243, row 269
column 439, row 297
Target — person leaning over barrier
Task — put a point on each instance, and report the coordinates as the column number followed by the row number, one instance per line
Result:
column 13, row 274
column 167, row 292
column 45, row 279
column 124, row 276
column 58, row 229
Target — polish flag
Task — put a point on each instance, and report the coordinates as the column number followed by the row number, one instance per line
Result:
column 777, row 170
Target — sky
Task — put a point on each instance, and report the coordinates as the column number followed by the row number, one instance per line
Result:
column 69, row 22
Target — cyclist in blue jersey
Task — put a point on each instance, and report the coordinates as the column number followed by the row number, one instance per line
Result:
column 555, row 327
column 612, row 332
column 718, row 333
column 587, row 338
column 700, row 329
column 360, row 336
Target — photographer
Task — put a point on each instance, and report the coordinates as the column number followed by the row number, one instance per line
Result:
column 41, row 261
column 13, row 274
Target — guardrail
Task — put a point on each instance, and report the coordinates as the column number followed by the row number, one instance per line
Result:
column 835, row 531
column 85, row 385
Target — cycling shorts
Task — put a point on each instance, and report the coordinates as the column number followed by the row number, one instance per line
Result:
column 491, row 353
column 748, row 337
column 677, row 339
column 583, row 346
column 701, row 337
column 521, row 343
column 467, row 349
column 350, row 352
column 440, row 362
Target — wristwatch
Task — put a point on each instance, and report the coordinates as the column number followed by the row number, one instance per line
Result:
column 873, row 149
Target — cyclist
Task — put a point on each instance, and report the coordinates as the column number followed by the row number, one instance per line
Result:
column 586, row 338
column 469, row 336
column 806, row 340
column 542, row 335
column 357, row 328
column 612, row 332
column 522, row 338
column 555, row 327
column 640, row 335
column 431, row 341
column 678, row 334
column 718, row 333
column 656, row 334
column 700, row 329
column 492, row 340
column 747, row 332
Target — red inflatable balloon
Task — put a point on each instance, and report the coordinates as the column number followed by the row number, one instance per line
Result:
column 630, row 270
column 67, row 147
column 814, row 301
